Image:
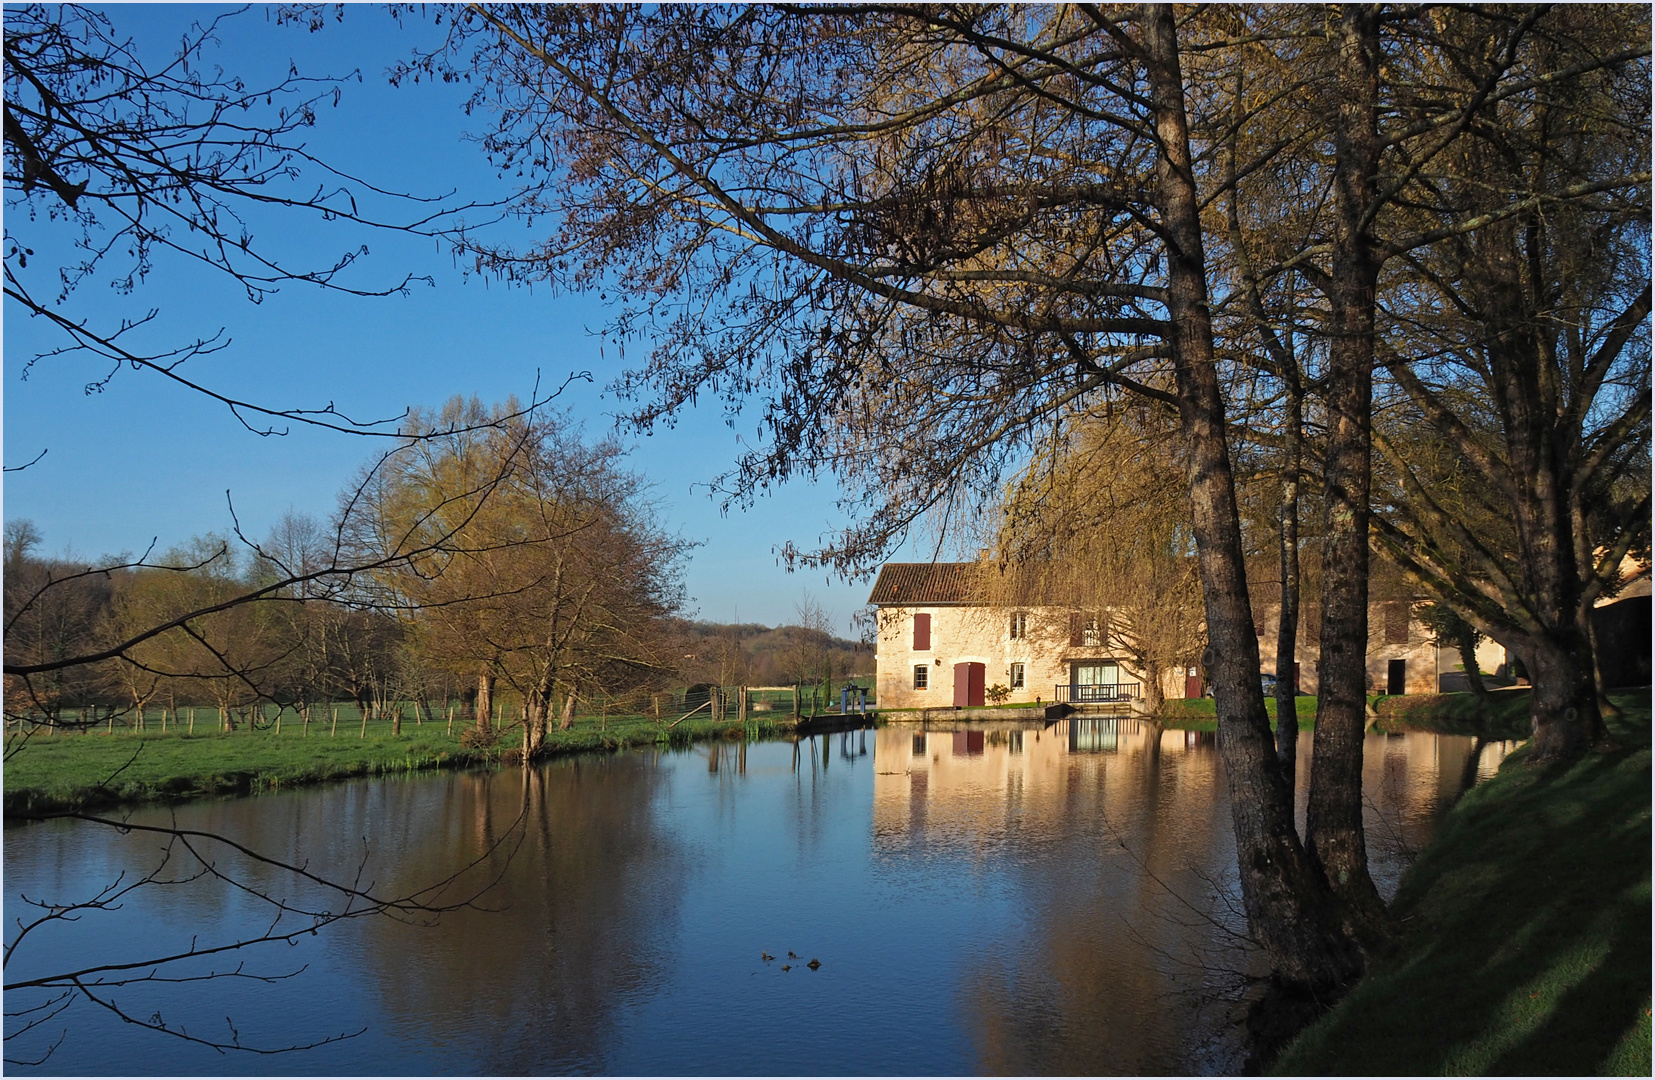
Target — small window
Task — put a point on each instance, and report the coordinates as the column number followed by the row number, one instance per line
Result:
column 1091, row 633
column 1017, row 676
column 1019, row 625
column 922, row 676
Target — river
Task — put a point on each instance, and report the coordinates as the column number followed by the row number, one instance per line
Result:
column 998, row 900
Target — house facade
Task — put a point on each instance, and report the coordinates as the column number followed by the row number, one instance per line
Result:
column 940, row 645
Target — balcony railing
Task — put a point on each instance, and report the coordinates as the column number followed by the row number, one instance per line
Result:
column 1093, row 693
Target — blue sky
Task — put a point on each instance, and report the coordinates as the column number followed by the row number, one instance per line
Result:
column 144, row 459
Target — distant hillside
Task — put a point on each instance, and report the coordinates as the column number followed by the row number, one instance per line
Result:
column 755, row 655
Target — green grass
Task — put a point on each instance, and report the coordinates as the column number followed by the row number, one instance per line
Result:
column 1523, row 943
column 1199, row 714
column 1503, row 714
column 72, row 771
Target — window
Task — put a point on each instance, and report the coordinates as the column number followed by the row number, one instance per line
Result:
column 922, row 676
column 1017, row 676
column 1090, row 633
column 1097, row 673
column 922, row 634
column 1019, row 625
column 1085, row 630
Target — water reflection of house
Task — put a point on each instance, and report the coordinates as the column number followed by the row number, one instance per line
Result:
column 940, row 644
column 965, row 784
column 971, row 775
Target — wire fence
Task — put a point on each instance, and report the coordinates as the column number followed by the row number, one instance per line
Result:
column 339, row 719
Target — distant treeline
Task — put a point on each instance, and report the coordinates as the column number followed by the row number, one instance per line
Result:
column 493, row 558
column 750, row 654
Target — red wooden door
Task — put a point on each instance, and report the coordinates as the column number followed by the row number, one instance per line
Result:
column 1192, row 686
column 969, row 683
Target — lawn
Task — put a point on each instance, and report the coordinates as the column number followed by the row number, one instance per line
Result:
column 1503, row 714
column 1199, row 714
column 1523, row 942
column 61, row 771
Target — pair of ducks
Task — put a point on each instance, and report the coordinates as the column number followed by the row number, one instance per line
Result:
column 791, row 955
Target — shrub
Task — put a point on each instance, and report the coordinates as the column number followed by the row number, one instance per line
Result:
column 479, row 737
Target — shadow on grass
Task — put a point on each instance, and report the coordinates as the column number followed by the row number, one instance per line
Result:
column 1525, row 939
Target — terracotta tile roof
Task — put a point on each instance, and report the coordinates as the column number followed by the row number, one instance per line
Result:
column 927, row 583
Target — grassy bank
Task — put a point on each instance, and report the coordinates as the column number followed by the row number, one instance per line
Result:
column 1198, row 714
column 63, row 771
column 1502, row 714
column 1524, row 931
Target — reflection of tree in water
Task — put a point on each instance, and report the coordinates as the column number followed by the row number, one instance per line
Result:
column 1118, row 966
column 591, row 899
column 1111, row 972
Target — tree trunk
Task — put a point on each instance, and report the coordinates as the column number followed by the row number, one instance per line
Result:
column 535, row 711
column 485, row 697
column 567, row 720
column 1333, row 822
column 1286, row 899
column 1606, row 707
column 1154, row 698
column 1287, row 634
column 1563, row 704
column 396, row 719
column 1468, row 660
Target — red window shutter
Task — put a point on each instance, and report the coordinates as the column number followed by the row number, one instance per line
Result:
column 922, row 633
column 1077, row 626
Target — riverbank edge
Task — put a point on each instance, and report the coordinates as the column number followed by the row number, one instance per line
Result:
column 379, row 759
column 1524, row 937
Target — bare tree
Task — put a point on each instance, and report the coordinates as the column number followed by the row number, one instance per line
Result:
column 145, row 165
column 954, row 225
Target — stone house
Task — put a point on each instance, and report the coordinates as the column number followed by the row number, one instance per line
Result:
column 941, row 644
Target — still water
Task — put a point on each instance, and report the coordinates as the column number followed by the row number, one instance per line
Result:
column 995, row 900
